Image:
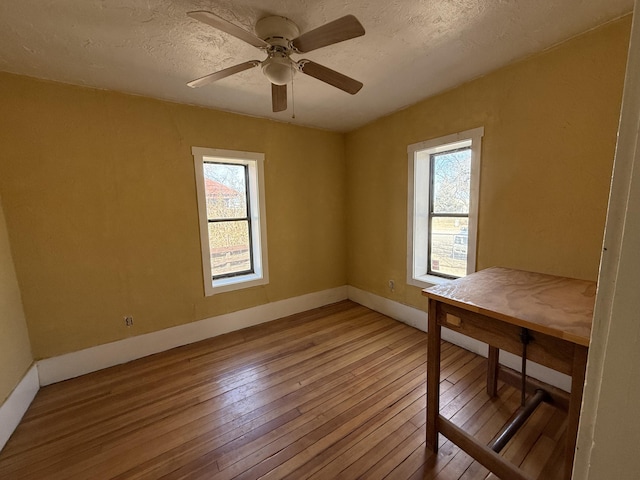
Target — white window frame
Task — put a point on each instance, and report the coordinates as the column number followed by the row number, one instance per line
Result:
column 255, row 164
column 418, row 205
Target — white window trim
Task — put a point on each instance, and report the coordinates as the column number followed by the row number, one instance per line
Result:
column 436, row 145
column 255, row 163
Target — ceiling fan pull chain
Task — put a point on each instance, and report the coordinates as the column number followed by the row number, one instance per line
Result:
column 293, row 98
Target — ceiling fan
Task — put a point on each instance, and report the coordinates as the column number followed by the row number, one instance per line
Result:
column 279, row 37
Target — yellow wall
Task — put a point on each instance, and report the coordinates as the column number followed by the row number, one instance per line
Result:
column 15, row 351
column 550, row 131
column 99, row 195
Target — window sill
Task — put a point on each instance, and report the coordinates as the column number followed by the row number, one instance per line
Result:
column 426, row 281
column 222, row 285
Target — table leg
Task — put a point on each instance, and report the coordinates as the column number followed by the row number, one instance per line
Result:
column 575, row 403
column 492, row 371
column 433, row 377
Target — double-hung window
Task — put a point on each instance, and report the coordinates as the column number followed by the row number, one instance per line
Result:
column 232, row 218
column 443, row 207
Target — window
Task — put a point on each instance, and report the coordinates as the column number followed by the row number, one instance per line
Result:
column 232, row 218
column 444, row 176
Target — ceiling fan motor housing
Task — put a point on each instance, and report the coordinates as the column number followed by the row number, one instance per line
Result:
column 277, row 31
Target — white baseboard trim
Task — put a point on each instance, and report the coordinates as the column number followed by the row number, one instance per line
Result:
column 14, row 407
column 418, row 319
column 74, row 364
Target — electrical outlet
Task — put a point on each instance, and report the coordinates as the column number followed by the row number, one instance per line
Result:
column 128, row 321
column 392, row 285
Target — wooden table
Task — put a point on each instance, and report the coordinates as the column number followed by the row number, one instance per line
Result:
column 494, row 306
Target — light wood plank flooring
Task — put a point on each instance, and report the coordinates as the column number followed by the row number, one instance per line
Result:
column 333, row 393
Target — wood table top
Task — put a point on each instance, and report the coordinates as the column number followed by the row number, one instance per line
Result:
column 557, row 306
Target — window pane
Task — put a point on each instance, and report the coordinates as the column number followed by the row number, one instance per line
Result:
column 451, row 181
column 226, row 190
column 449, row 240
column 229, row 244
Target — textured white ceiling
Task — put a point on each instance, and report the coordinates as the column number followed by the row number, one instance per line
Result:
column 412, row 49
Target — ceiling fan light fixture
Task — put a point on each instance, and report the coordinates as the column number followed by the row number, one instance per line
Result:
column 278, row 69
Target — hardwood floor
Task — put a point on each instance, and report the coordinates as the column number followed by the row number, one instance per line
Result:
column 333, row 393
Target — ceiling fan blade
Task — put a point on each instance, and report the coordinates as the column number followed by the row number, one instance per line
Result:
column 329, row 76
column 220, row 74
column 279, row 97
column 339, row 30
column 228, row 27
